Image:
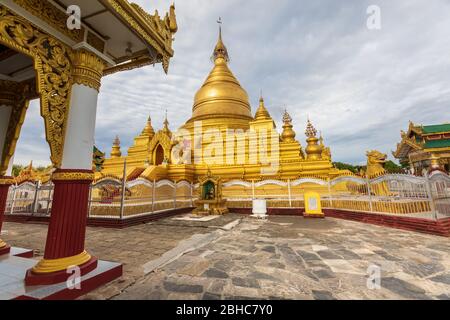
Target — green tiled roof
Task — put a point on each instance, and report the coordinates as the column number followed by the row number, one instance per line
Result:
column 436, row 128
column 437, row 143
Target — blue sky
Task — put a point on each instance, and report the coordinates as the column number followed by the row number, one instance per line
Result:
column 318, row 59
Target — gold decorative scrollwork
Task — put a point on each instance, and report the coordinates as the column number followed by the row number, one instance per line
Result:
column 162, row 30
column 87, row 69
column 52, row 15
column 72, row 176
column 6, row 181
column 53, row 67
column 17, row 96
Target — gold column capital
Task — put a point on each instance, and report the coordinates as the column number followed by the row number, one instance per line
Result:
column 87, row 69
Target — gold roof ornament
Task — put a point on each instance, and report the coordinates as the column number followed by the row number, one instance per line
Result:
column 313, row 150
column 288, row 134
column 221, row 95
column 115, row 151
column 166, row 129
column 262, row 113
column 148, row 130
column 310, row 132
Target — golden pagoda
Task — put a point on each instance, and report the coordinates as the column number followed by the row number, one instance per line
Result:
column 224, row 138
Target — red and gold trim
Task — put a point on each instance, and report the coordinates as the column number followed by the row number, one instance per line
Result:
column 67, row 229
column 5, row 183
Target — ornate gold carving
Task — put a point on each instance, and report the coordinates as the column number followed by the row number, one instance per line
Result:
column 87, row 69
column 15, row 95
column 161, row 31
column 52, row 15
column 72, row 176
column 6, row 181
column 52, row 64
column 95, row 41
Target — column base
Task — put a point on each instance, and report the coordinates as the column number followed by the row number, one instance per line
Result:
column 4, row 248
column 39, row 275
column 314, row 215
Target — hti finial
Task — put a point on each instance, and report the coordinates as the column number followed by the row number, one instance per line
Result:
column 220, row 51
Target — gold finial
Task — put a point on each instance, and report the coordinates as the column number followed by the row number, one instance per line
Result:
column 220, row 51
column 115, row 151
column 288, row 134
column 262, row 113
column 148, row 130
column 310, row 132
column 286, row 117
column 166, row 125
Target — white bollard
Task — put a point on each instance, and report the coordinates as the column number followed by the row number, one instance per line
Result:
column 259, row 208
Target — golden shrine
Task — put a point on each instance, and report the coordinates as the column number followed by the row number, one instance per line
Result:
column 210, row 201
column 222, row 136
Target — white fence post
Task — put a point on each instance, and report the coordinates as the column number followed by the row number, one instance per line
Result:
column 124, row 182
column 369, row 191
column 329, row 193
column 175, row 195
column 13, row 200
column 192, row 194
column 289, row 192
column 153, row 195
column 253, row 189
column 430, row 196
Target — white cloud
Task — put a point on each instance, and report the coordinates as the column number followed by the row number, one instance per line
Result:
column 317, row 58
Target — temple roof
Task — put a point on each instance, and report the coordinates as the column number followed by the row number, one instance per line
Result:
column 438, row 128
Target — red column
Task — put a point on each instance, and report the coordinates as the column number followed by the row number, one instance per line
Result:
column 67, row 229
column 5, row 183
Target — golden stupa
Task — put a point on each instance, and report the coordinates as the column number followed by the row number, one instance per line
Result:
column 221, row 107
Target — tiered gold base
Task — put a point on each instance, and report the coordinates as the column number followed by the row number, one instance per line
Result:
column 210, row 207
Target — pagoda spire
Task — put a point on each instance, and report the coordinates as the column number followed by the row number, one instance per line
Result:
column 166, row 126
column 261, row 112
column 288, row 134
column 220, row 51
column 115, row 151
column 313, row 150
column 148, row 130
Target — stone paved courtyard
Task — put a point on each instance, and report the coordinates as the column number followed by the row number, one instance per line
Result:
column 237, row 257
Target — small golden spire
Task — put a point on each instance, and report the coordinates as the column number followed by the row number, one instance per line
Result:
column 262, row 113
column 115, row 151
column 148, row 130
column 288, row 134
column 166, row 125
column 313, row 150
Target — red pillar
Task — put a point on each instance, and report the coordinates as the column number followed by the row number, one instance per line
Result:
column 5, row 183
column 67, row 229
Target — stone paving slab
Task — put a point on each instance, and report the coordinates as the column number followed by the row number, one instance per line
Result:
column 243, row 258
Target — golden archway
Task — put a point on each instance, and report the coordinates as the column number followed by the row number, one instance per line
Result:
column 158, row 156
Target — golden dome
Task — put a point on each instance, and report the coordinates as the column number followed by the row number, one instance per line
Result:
column 221, row 96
